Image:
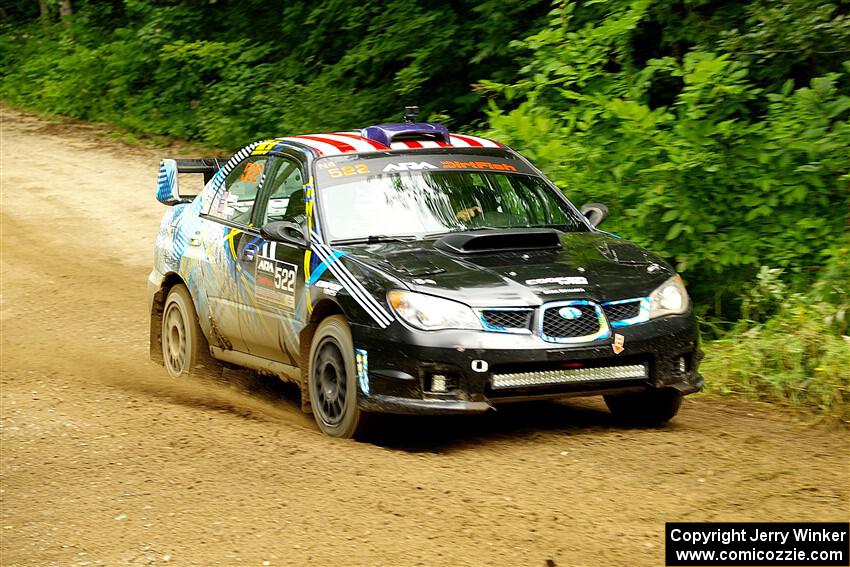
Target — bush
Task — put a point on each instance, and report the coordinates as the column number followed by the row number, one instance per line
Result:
column 229, row 72
column 794, row 359
column 801, row 354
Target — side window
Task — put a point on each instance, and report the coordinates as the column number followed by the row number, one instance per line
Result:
column 236, row 200
column 286, row 194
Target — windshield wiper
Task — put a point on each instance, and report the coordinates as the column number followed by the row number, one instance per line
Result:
column 375, row 238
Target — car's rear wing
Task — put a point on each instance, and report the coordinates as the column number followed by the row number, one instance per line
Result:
column 167, row 186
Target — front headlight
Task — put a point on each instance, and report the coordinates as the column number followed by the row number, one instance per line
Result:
column 670, row 298
column 431, row 313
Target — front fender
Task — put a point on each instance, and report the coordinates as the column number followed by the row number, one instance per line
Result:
column 357, row 288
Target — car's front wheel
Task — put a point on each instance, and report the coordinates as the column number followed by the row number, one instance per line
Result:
column 333, row 380
column 184, row 348
column 652, row 407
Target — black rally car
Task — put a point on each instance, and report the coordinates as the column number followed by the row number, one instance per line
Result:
column 406, row 269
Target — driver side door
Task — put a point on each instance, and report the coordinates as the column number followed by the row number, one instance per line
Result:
column 228, row 217
column 277, row 312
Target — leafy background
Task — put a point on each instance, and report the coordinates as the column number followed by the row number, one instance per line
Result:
column 716, row 131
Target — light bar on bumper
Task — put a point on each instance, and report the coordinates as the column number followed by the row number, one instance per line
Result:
column 569, row 376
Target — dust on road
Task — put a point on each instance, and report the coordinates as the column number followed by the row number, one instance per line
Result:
column 107, row 462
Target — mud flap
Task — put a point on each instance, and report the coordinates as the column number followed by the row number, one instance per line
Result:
column 305, row 397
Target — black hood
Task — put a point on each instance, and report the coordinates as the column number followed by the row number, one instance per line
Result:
column 586, row 265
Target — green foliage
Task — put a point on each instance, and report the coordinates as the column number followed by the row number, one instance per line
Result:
column 697, row 157
column 795, row 38
column 225, row 73
column 793, row 359
column 801, row 354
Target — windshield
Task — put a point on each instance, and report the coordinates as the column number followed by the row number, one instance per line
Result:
column 423, row 201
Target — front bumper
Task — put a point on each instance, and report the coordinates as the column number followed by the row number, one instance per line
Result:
column 402, row 363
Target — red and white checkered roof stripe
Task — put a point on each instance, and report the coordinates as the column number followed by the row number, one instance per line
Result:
column 352, row 142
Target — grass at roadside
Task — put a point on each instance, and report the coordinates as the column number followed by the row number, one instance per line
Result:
column 791, row 363
column 792, row 349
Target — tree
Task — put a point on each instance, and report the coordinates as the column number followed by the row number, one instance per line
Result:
column 65, row 11
column 43, row 13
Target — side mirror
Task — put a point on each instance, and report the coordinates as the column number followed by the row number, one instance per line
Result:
column 595, row 213
column 284, row 231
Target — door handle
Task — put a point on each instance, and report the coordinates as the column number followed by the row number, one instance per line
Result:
column 249, row 252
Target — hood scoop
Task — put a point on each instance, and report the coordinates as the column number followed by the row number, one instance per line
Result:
column 499, row 241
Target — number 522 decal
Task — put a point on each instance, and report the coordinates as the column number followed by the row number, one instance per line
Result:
column 276, row 283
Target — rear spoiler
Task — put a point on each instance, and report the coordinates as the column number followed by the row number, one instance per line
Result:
column 167, row 186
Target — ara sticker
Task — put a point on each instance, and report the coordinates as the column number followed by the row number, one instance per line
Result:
column 409, row 166
column 619, row 341
column 276, row 283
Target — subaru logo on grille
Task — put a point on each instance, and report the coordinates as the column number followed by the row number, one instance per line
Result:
column 569, row 313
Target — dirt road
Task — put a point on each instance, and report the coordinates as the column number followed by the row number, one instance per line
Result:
column 106, row 462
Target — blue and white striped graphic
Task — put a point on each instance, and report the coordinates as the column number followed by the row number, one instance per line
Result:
column 329, row 257
column 322, row 266
column 166, row 183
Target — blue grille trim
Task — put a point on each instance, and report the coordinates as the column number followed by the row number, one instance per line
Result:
column 642, row 317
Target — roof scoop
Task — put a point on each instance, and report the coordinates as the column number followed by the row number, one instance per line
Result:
column 499, row 240
column 386, row 134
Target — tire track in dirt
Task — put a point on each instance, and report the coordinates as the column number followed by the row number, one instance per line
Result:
column 107, row 462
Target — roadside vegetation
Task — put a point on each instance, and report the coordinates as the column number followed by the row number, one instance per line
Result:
column 718, row 132
column 790, row 347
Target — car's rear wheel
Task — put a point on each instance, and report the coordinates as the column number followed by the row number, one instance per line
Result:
column 184, row 348
column 652, row 407
column 333, row 380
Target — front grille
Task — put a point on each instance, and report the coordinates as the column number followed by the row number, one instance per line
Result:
column 621, row 311
column 507, row 319
column 568, row 376
column 556, row 326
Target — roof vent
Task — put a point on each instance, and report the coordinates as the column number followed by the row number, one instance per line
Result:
column 388, row 133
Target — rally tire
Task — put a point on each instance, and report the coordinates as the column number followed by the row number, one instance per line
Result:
column 185, row 350
column 332, row 380
column 648, row 408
